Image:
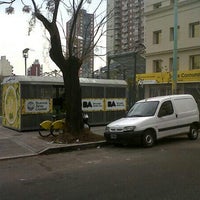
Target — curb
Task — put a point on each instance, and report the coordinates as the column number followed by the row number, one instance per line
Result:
column 18, row 156
column 71, row 147
column 59, row 149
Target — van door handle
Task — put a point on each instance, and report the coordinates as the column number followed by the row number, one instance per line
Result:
column 176, row 115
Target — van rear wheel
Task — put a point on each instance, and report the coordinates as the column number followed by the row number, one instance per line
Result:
column 148, row 139
column 193, row 134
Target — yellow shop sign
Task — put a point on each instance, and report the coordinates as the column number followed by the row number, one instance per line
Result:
column 192, row 75
column 166, row 77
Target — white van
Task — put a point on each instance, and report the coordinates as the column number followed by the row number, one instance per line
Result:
column 154, row 118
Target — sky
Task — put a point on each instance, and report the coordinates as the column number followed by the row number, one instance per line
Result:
column 14, row 39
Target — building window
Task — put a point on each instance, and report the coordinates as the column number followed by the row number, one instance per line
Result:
column 194, row 29
column 171, row 64
column 195, row 62
column 157, row 37
column 171, row 36
column 157, row 5
column 157, row 66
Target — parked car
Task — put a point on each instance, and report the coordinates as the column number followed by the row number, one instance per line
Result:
column 155, row 118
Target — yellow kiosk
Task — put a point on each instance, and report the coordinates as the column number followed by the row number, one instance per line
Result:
column 20, row 110
column 29, row 100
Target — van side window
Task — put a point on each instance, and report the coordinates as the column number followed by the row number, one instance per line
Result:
column 166, row 109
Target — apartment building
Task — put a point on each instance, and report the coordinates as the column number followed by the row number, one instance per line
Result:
column 159, row 42
column 125, row 42
column 35, row 69
column 125, row 27
column 5, row 68
column 84, row 40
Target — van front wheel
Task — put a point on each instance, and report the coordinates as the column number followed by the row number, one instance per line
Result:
column 148, row 138
column 193, row 134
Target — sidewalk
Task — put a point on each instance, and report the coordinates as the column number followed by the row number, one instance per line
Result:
column 14, row 144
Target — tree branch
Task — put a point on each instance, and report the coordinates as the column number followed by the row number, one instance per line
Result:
column 39, row 16
column 57, row 2
column 6, row 2
column 56, row 46
column 73, row 26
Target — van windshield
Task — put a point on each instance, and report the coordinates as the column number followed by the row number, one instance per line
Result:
column 143, row 109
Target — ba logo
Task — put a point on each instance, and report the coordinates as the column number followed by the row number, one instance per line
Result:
column 111, row 104
column 30, row 105
column 87, row 104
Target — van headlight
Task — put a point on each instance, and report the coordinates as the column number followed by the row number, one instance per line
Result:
column 129, row 128
column 107, row 129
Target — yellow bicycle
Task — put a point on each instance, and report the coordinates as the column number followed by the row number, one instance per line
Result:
column 49, row 127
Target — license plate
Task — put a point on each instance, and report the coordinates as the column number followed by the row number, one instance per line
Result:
column 113, row 136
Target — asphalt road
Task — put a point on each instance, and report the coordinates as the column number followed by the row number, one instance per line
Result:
column 168, row 171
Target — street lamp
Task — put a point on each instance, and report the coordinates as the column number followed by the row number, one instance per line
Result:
column 25, row 55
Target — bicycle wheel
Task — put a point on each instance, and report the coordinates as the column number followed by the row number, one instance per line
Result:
column 56, row 132
column 87, row 126
column 57, row 127
column 44, row 132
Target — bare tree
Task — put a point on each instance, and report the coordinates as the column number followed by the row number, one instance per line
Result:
column 70, row 63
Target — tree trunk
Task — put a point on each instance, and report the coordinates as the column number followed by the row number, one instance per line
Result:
column 70, row 69
column 73, row 95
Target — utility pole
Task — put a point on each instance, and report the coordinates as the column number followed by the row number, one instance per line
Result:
column 134, row 77
column 174, row 72
column 137, row 53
